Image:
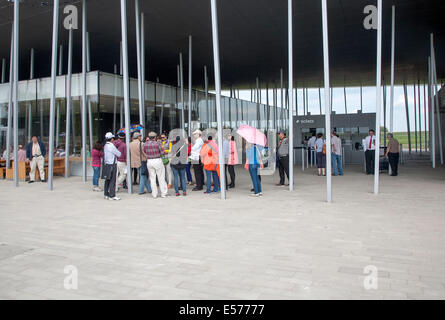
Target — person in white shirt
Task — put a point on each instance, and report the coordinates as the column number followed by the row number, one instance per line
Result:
column 369, row 147
column 111, row 153
column 310, row 146
column 196, row 162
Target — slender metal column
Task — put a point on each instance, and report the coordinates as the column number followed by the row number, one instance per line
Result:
column 405, row 92
column 218, row 96
column 378, row 97
column 384, row 117
column 332, row 97
column 58, row 103
column 319, row 100
column 3, row 70
column 327, row 99
column 121, row 68
column 415, row 116
column 282, row 99
column 206, row 90
column 68, row 102
column 361, row 98
column 31, row 77
column 436, row 97
column 53, row 94
column 190, row 89
column 126, row 89
column 115, row 99
column 291, row 95
column 9, row 132
column 84, row 91
column 425, row 116
column 15, row 93
column 431, row 113
column 419, row 116
column 304, row 102
column 139, row 62
column 346, row 102
column 144, row 117
column 90, row 113
column 391, row 103
column 181, row 72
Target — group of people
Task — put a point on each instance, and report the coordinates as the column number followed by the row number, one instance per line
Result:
column 156, row 161
column 318, row 144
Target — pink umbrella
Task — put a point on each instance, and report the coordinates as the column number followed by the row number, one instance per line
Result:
column 252, row 135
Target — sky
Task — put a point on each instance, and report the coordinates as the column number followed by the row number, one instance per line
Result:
column 353, row 102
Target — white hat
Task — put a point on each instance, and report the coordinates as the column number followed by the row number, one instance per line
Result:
column 109, row 135
column 197, row 132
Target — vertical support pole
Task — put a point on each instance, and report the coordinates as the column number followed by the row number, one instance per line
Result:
column 90, row 113
column 206, row 90
column 68, row 102
column 327, row 99
column 282, row 99
column 144, row 117
column 15, row 93
column 319, row 100
column 415, row 116
column 384, row 117
column 218, row 96
column 391, row 101
column 436, row 97
column 181, row 72
column 139, row 63
column 31, row 77
column 53, row 94
column 190, row 89
column 346, row 102
column 58, row 104
column 361, row 98
column 425, row 117
column 60, row 60
column 419, row 116
column 9, row 133
column 332, row 97
column 126, row 89
column 84, row 91
column 291, row 95
column 405, row 92
column 3, row 70
column 378, row 96
column 115, row 99
column 431, row 113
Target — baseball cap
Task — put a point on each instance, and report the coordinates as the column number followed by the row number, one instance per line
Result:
column 109, row 135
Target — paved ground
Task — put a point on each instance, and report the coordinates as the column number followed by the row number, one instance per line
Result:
column 280, row 246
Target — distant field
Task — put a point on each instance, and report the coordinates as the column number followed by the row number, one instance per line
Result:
column 402, row 137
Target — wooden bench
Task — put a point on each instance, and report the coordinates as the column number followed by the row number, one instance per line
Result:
column 24, row 169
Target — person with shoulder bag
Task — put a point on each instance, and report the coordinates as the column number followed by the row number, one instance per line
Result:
column 139, row 161
column 320, row 148
column 111, row 153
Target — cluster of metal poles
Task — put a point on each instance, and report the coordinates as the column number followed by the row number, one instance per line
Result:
column 289, row 99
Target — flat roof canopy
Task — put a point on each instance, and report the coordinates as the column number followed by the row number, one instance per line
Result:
column 253, row 39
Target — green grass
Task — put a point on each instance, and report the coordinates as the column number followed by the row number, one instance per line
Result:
column 402, row 137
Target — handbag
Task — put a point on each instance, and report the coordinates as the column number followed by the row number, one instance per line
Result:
column 143, row 169
column 165, row 160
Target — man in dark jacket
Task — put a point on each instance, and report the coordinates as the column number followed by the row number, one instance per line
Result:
column 35, row 153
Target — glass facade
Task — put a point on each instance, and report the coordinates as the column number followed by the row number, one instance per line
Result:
column 105, row 110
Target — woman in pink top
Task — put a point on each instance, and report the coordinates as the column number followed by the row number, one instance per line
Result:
column 96, row 161
column 233, row 160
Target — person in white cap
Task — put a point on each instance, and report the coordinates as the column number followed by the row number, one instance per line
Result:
column 196, row 162
column 111, row 153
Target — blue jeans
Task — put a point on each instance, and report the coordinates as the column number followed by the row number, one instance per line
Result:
column 253, row 170
column 189, row 173
column 179, row 174
column 143, row 183
column 337, row 167
column 96, row 175
column 216, row 187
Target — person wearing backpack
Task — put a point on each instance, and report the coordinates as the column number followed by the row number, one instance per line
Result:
column 320, row 148
column 178, row 160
